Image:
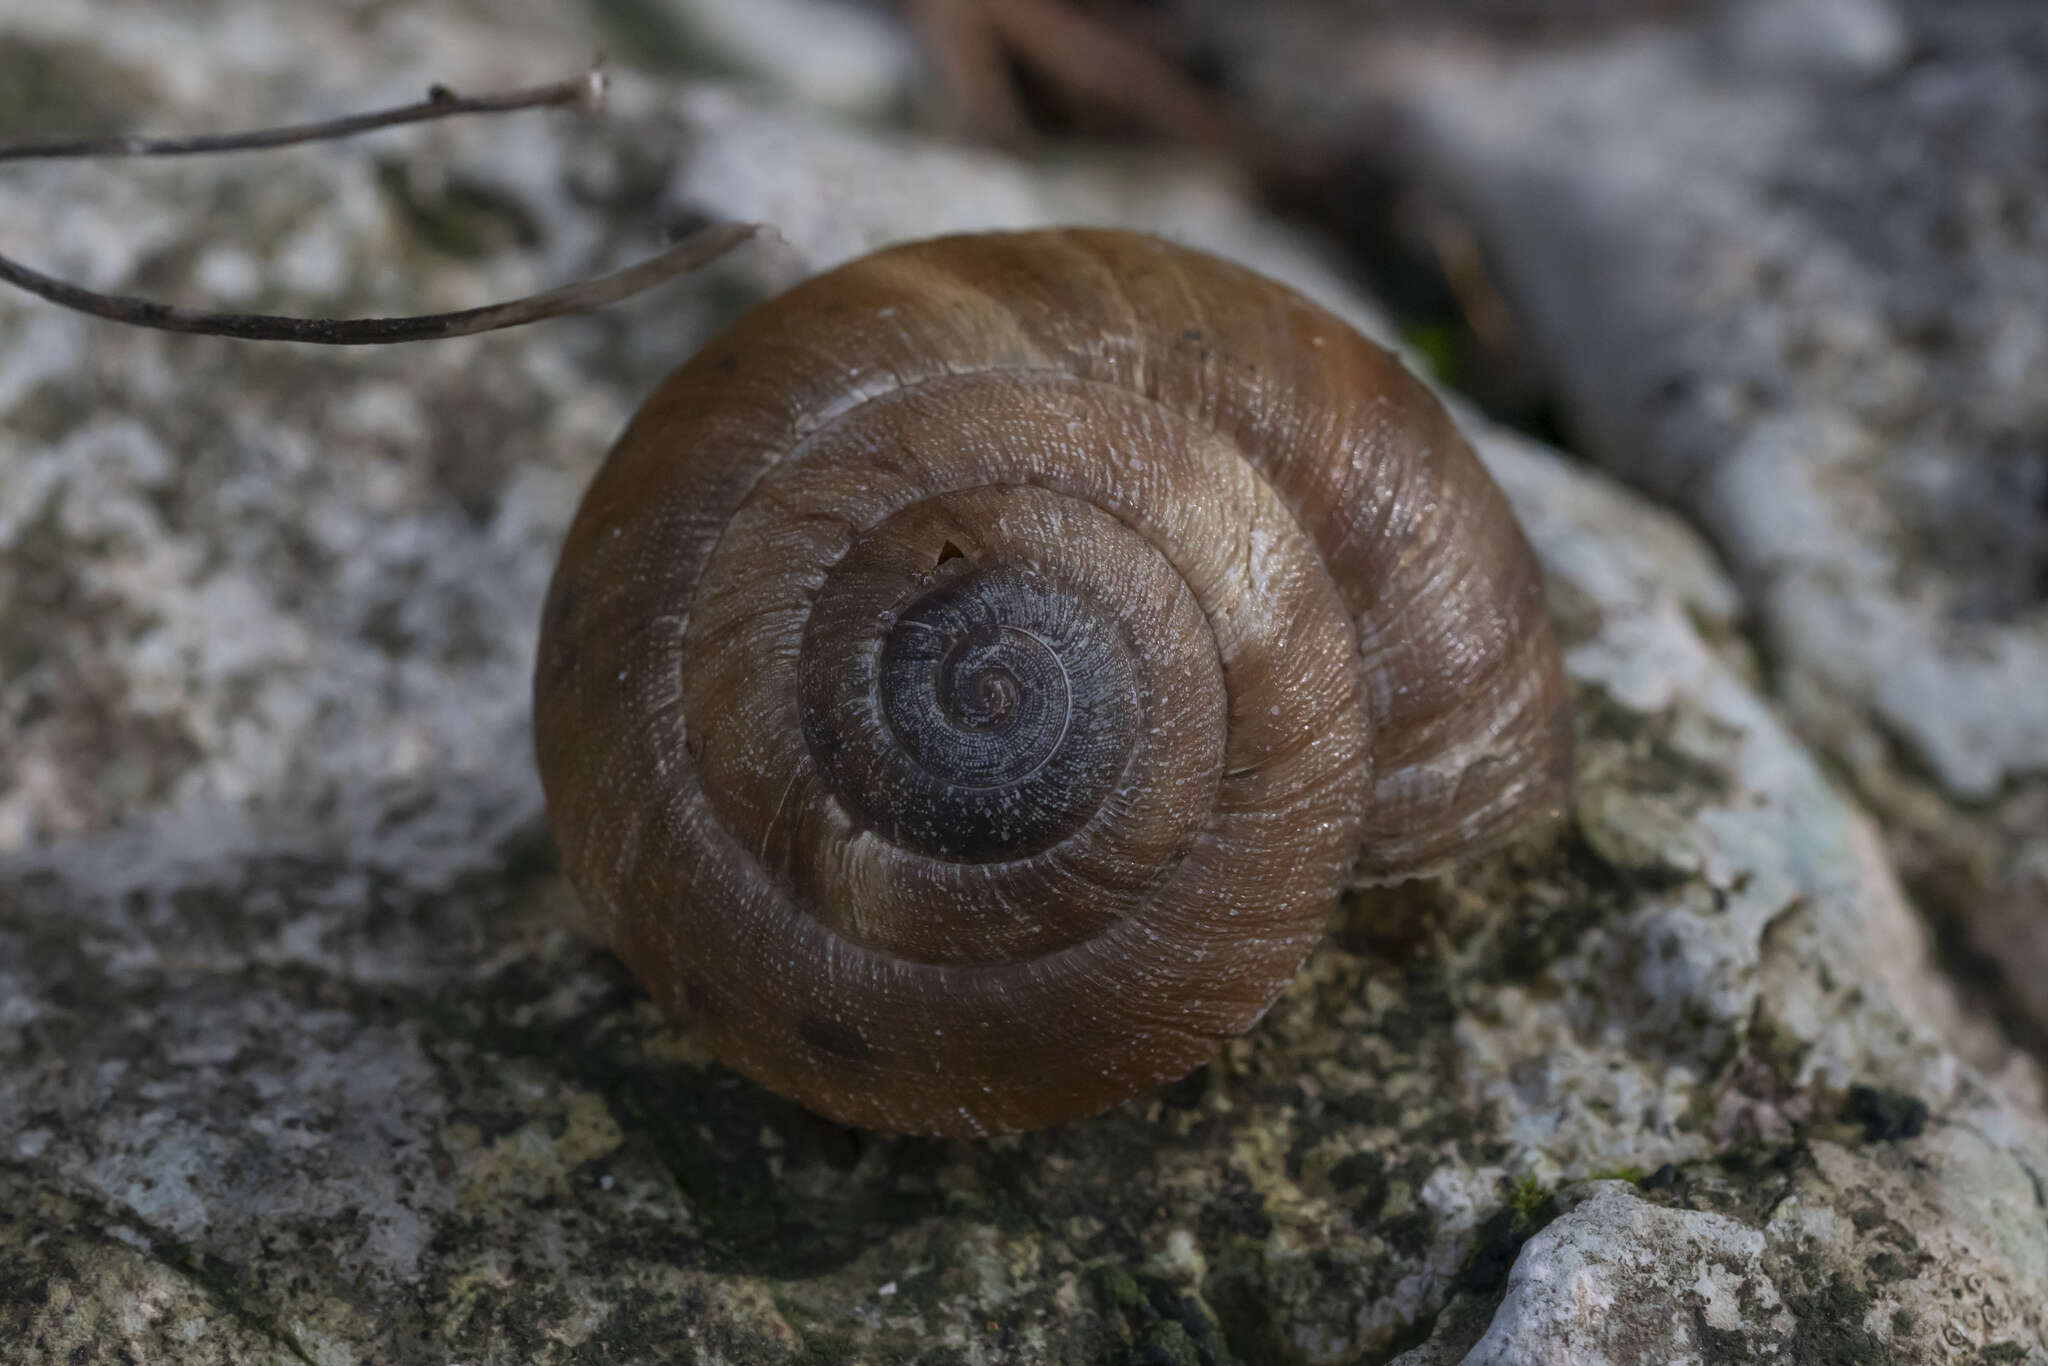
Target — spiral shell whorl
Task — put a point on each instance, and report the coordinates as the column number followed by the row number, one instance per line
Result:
column 957, row 694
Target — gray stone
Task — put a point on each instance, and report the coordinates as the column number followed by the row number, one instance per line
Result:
column 1740, row 301
column 1782, row 261
column 1811, row 316
column 301, row 1057
column 1623, row 1276
column 1854, row 39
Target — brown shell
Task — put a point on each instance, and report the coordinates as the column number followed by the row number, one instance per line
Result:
column 972, row 679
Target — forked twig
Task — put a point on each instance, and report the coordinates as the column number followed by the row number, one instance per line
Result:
column 586, row 91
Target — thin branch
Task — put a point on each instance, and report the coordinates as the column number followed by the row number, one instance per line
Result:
column 699, row 248
column 973, row 67
column 1089, row 58
column 1095, row 61
column 586, row 92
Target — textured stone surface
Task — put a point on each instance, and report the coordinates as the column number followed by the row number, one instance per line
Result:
column 1834, row 357
column 1831, row 1254
column 1784, row 261
column 1798, row 287
column 301, row 1055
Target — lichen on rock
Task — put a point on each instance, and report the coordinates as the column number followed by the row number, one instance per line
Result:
column 301, row 1054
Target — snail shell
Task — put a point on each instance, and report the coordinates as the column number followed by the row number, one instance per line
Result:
column 971, row 680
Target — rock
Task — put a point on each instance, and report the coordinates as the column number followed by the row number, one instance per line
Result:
column 1810, row 315
column 847, row 58
column 1854, row 39
column 1780, row 260
column 302, row 1059
column 1752, row 315
column 834, row 192
column 1709, row 1275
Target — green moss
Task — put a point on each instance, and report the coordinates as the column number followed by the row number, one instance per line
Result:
column 1437, row 347
column 1525, row 1197
column 1628, row 1172
column 1527, row 1208
column 1162, row 1324
column 825, row 1348
column 1165, row 1344
column 1119, row 1288
column 1744, row 1156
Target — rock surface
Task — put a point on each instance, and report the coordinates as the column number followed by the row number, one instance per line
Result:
column 1798, row 287
column 302, row 1058
column 1783, row 260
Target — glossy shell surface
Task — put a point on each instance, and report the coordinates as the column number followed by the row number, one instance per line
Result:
column 971, row 680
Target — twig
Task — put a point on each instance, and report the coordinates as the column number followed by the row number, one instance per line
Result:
column 1095, row 61
column 973, row 67
column 586, row 91
column 1091, row 60
column 697, row 249
column 700, row 247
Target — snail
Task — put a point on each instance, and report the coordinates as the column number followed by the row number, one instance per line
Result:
column 971, row 680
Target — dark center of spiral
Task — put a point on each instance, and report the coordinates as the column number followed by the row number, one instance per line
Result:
column 994, row 702
column 982, row 704
column 1007, row 712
